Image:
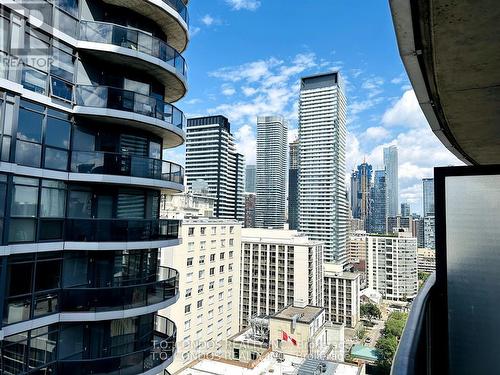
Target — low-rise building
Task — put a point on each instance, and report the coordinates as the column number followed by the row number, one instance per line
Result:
column 426, row 260
column 278, row 267
column 392, row 265
column 341, row 295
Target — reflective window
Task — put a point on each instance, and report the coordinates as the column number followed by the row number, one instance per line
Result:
column 80, row 204
column 29, row 127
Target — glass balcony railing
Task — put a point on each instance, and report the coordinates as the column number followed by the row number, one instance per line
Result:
column 130, row 101
column 180, row 7
column 127, row 37
column 122, row 297
column 120, row 230
column 161, row 350
column 99, row 162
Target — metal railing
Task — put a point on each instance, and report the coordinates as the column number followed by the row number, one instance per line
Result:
column 130, row 101
column 127, row 37
column 180, row 7
column 100, row 162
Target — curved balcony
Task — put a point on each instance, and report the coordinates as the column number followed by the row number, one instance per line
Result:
column 171, row 15
column 116, row 164
column 130, row 108
column 137, row 49
column 151, row 360
column 120, row 230
column 160, row 292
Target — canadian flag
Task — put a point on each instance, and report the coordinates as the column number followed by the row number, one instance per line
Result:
column 288, row 338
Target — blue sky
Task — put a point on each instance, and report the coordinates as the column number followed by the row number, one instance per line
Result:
column 246, row 57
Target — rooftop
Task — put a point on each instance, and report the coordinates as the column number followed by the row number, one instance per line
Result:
column 276, row 236
column 306, row 314
column 343, row 275
column 269, row 365
column 245, row 337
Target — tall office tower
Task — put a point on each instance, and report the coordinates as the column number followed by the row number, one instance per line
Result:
column 278, row 268
column 428, row 196
column 323, row 206
column 378, row 210
column 211, row 157
column 405, row 210
column 249, row 210
column 391, row 179
column 206, row 314
column 250, row 178
column 272, row 143
column 293, row 186
column 354, row 197
column 420, row 232
column 341, row 295
column 86, row 115
column 364, row 179
column 392, row 265
column 396, row 222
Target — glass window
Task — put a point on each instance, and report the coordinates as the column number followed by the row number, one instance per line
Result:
column 28, row 153
column 29, row 127
column 53, row 203
column 34, row 80
column 25, row 201
column 22, row 230
column 83, row 141
column 61, row 89
column 20, row 278
column 57, row 133
column 48, row 275
column 154, row 150
column 80, row 204
column 56, row 159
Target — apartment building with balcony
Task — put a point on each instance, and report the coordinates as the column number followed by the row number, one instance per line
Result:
column 278, row 268
column 86, row 93
column 208, row 261
column 391, row 265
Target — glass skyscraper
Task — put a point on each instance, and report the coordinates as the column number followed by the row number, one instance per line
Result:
column 428, row 196
column 378, row 212
column 392, row 183
column 272, row 145
column 250, row 178
column 86, row 113
column 293, row 186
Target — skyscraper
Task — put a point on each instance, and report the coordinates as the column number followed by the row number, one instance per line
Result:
column 355, row 203
column 391, row 178
column 405, row 210
column 211, row 156
column 250, row 178
column 272, row 142
column 86, row 115
column 378, row 202
column 323, row 206
column 364, row 180
column 428, row 195
column 293, row 186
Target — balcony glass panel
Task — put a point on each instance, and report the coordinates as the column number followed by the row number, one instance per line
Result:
column 108, row 33
column 124, row 100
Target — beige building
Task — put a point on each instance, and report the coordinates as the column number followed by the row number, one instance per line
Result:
column 278, row 267
column 392, row 265
column 186, row 205
column 208, row 261
column 426, row 260
column 341, row 295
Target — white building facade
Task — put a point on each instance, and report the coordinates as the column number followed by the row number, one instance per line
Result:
column 206, row 313
column 392, row 265
column 272, row 144
column 323, row 206
column 341, row 295
column 278, row 268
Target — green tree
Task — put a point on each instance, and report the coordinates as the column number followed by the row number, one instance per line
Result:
column 370, row 311
column 361, row 333
column 386, row 348
column 395, row 324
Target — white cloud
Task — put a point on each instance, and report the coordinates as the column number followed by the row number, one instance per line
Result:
column 373, row 85
column 377, row 133
column 293, row 134
column 248, row 91
column 405, row 112
column 228, row 90
column 246, row 143
column 208, row 20
column 244, row 4
column 194, row 30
